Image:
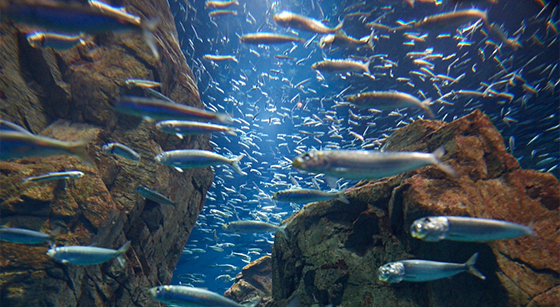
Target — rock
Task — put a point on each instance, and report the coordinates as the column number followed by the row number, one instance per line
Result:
column 254, row 281
column 332, row 250
column 67, row 95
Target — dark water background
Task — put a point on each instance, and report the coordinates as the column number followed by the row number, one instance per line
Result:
column 271, row 109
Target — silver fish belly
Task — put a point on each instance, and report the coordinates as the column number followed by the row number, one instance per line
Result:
column 468, row 229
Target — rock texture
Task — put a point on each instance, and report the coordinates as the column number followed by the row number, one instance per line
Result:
column 67, row 95
column 255, row 280
column 333, row 250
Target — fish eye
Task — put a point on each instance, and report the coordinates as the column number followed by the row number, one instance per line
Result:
column 308, row 156
column 159, row 290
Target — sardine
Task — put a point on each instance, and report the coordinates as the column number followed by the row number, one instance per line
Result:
column 154, row 195
column 193, row 158
column 341, row 66
column 141, row 83
column 214, row 4
column 219, row 58
column 364, row 164
column 121, row 150
column 252, row 227
column 56, row 41
column 424, row 270
column 299, row 22
column 181, row 128
column 389, row 101
column 304, row 196
column 88, row 255
column 54, row 176
column 266, row 38
column 468, row 229
column 448, row 20
column 190, row 296
column 26, row 236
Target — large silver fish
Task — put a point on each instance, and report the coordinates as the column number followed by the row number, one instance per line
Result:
column 469, row 229
column 365, row 164
column 304, row 196
column 193, row 158
column 190, row 296
column 424, row 270
column 88, row 255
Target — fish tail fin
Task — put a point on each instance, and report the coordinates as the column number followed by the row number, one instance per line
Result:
column 231, row 132
column 138, row 162
column 224, row 118
column 149, row 37
column 446, row 168
column 53, row 235
column 340, row 25
column 78, row 149
column 425, row 105
column 470, row 264
column 343, row 198
column 121, row 251
column 235, row 164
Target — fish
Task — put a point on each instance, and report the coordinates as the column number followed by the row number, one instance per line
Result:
column 156, row 109
column 118, row 11
column 495, row 31
column 26, row 236
column 88, row 255
column 299, row 22
column 17, row 145
column 54, row 176
column 222, row 12
column 191, row 296
column 252, row 227
column 425, row 270
column 158, row 95
column 389, row 101
column 121, row 150
column 447, row 20
column 141, row 83
column 154, row 195
column 56, row 41
column 220, row 4
column 304, row 196
column 340, row 39
column 6, row 125
column 341, row 66
column 181, row 128
column 193, row 158
column 466, row 229
column 76, row 18
column 267, row 38
column 219, row 58
column 365, row 164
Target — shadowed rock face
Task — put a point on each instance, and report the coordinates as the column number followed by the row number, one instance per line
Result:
column 333, row 250
column 67, row 96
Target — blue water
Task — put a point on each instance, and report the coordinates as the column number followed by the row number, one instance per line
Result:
column 259, row 90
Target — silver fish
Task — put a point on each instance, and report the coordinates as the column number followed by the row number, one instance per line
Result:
column 121, row 150
column 26, row 236
column 182, row 127
column 56, row 41
column 154, row 195
column 17, row 145
column 88, row 255
column 389, row 101
column 304, row 196
column 54, row 176
column 341, row 66
column 364, row 164
column 190, row 296
column 424, row 270
column 295, row 21
column 193, row 158
column 252, row 227
column 468, row 229
column 267, row 38
column 9, row 126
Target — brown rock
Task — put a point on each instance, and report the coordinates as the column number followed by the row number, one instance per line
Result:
column 254, row 281
column 332, row 250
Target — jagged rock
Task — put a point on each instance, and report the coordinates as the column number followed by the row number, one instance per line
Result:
column 332, row 250
column 67, row 95
column 254, row 280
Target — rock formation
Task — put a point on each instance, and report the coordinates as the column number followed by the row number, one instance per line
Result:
column 254, row 280
column 67, row 95
column 332, row 250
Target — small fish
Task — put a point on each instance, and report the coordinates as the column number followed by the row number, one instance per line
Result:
column 190, row 296
column 468, row 229
column 341, row 66
column 222, row 12
column 424, row 270
column 56, row 41
column 252, row 227
column 75, row 18
column 267, row 38
column 193, row 158
column 304, row 196
column 154, row 195
column 118, row 11
column 181, row 128
column 219, row 58
column 295, row 21
column 158, row 95
column 26, row 236
column 142, row 83
column 88, row 255
column 495, row 31
column 54, row 176
column 121, row 150
column 389, row 101
column 212, row 4
column 448, row 20
column 17, row 145
column 340, row 39
column 155, row 109
column 364, row 164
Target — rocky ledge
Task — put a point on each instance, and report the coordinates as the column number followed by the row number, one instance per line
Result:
column 332, row 250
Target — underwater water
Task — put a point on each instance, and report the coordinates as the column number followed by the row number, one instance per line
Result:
column 284, row 108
